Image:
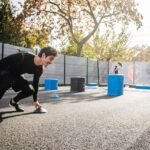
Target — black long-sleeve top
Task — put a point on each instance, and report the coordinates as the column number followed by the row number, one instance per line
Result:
column 21, row 63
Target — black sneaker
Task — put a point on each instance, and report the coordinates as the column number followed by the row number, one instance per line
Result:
column 16, row 106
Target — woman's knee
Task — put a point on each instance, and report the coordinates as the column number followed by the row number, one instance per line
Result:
column 5, row 81
column 5, row 77
column 29, row 91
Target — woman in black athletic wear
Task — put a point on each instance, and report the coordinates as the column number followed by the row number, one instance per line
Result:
column 12, row 68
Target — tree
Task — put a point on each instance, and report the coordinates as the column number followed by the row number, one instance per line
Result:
column 34, row 37
column 141, row 53
column 14, row 31
column 82, row 16
column 6, row 19
column 112, row 45
column 87, row 50
column 70, row 49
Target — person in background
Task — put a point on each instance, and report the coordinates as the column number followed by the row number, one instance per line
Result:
column 116, row 70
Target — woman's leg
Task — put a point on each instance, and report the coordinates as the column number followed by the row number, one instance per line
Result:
column 24, row 87
column 5, row 81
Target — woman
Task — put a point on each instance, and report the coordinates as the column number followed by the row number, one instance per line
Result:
column 14, row 66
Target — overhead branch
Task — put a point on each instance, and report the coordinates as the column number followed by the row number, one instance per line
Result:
column 91, row 11
column 58, row 6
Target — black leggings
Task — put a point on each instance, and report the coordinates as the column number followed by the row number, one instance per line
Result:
column 7, row 80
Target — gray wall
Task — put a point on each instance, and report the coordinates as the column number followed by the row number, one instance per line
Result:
column 75, row 67
column 66, row 67
column 11, row 49
column 55, row 70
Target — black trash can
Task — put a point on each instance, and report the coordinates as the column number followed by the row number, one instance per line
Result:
column 77, row 84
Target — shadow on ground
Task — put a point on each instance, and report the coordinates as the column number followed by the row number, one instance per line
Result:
column 11, row 116
column 44, row 97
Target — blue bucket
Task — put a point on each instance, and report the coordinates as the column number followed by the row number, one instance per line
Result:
column 115, row 85
column 51, row 84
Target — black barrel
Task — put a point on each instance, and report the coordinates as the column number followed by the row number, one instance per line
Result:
column 77, row 84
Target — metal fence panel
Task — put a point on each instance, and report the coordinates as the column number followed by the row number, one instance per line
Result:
column 142, row 73
column 75, row 67
column 134, row 72
column 103, row 72
column 127, row 70
column 55, row 70
column 92, row 71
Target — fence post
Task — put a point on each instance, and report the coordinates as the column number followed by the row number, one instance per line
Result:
column 2, row 50
column 98, row 72
column 64, row 69
column 133, row 72
column 108, row 66
column 87, row 66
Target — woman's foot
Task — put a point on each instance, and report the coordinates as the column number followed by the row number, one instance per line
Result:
column 16, row 106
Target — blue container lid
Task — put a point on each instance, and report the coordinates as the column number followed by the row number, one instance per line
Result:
column 92, row 84
column 50, row 79
column 116, row 75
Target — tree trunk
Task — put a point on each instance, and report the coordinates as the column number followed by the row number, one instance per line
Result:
column 84, row 40
column 79, row 48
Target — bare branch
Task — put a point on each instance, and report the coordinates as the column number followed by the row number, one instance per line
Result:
column 58, row 6
column 91, row 12
column 110, row 15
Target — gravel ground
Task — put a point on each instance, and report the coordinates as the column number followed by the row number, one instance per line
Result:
column 78, row 121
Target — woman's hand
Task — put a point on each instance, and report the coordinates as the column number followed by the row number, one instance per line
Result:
column 37, row 105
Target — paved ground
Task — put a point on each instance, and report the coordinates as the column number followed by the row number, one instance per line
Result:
column 78, row 121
